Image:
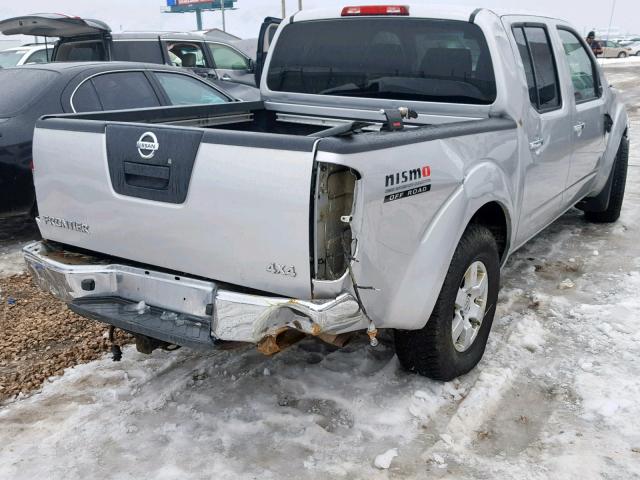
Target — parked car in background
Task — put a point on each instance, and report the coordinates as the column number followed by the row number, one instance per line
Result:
column 32, row 91
column 613, row 49
column 635, row 49
column 26, row 54
column 628, row 41
column 92, row 40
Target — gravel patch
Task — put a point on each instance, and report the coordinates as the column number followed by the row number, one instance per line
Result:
column 40, row 337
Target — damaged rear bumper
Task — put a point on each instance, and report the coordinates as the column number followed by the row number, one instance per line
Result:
column 177, row 309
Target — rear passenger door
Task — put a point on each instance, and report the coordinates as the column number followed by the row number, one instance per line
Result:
column 582, row 75
column 546, row 121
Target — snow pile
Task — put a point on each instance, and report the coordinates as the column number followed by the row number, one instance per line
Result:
column 383, row 461
column 528, row 334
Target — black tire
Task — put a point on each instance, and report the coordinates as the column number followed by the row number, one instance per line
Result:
column 619, row 180
column 622, row 55
column 430, row 351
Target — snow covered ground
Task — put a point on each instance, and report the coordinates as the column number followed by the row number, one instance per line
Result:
column 629, row 61
column 556, row 396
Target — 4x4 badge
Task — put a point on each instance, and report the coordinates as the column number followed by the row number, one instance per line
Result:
column 286, row 270
column 148, row 145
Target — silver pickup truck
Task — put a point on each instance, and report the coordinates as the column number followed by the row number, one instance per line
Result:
column 399, row 156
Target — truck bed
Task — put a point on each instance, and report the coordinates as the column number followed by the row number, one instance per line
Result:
column 195, row 189
column 239, row 116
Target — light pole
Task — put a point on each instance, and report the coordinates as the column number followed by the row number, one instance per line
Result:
column 284, row 8
column 299, row 4
column 199, row 18
column 613, row 8
column 224, row 27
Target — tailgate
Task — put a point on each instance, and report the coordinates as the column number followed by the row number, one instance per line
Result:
column 225, row 205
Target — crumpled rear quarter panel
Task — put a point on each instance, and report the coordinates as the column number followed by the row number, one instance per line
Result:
column 404, row 246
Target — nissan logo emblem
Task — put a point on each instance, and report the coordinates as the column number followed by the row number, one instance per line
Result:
column 148, row 145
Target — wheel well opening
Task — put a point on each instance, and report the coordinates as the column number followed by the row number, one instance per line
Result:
column 493, row 217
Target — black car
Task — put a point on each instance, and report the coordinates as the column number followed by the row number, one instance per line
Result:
column 29, row 92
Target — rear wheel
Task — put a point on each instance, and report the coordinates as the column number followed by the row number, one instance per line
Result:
column 454, row 338
column 618, row 182
column 622, row 55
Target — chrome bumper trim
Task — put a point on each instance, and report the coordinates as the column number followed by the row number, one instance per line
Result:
column 237, row 316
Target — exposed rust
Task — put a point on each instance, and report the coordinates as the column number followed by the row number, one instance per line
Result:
column 273, row 344
column 372, row 334
column 269, row 345
column 316, row 330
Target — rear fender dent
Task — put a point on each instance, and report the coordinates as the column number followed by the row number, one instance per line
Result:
column 422, row 282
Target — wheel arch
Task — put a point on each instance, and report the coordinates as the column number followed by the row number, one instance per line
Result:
column 496, row 218
column 483, row 198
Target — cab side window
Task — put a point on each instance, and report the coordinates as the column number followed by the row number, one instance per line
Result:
column 582, row 67
column 540, row 67
column 227, row 58
column 188, row 55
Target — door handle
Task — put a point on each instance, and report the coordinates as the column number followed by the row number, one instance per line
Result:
column 146, row 176
column 226, row 77
column 536, row 144
column 579, row 127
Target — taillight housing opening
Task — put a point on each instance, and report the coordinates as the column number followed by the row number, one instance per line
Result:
column 372, row 10
column 333, row 208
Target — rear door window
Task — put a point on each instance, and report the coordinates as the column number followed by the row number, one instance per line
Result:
column 137, row 51
column 523, row 49
column 123, row 90
column 537, row 56
column 184, row 90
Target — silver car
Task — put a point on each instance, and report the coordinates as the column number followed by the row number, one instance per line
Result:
column 611, row 49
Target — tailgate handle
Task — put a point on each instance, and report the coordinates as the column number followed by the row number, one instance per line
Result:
column 146, row 176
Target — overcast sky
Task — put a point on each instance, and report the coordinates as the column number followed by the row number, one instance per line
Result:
column 245, row 21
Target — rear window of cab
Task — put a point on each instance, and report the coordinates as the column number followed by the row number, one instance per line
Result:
column 387, row 58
